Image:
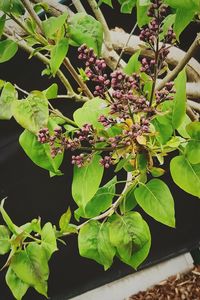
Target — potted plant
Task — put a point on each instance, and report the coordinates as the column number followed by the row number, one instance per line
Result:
column 132, row 116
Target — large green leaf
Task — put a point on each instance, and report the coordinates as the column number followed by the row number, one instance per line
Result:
column 32, row 113
column 39, row 153
column 16, row 285
column 53, row 24
column 185, row 11
column 86, row 181
column 94, row 242
column 8, row 49
column 186, row 175
column 179, row 107
column 4, row 240
column 131, row 237
column 58, row 53
column 48, row 239
column 84, row 29
column 31, row 266
column 156, row 200
column 142, row 8
column 8, row 96
column 183, row 19
column 101, row 201
column 90, row 112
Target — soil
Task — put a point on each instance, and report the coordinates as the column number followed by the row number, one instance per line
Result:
column 179, row 287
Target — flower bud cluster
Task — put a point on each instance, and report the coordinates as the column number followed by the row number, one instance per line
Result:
column 165, row 94
column 95, row 70
column 150, row 35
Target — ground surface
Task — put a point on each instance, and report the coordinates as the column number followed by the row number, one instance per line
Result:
column 179, row 287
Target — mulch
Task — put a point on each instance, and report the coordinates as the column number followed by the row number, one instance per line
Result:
column 179, row 287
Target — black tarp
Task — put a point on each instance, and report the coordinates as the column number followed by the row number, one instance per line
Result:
column 31, row 193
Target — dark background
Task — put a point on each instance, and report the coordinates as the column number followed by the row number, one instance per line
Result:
column 31, row 192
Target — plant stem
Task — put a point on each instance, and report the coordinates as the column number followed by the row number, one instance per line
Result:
column 21, row 90
column 77, row 78
column 171, row 76
column 78, row 5
column 114, row 205
column 100, row 17
column 32, row 13
column 59, row 114
column 75, row 97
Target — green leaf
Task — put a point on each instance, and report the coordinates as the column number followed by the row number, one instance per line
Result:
column 15, row 284
column 129, row 202
column 30, row 265
column 186, row 175
column 11, row 226
column 131, row 237
column 8, row 96
column 12, row 6
column 142, row 8
column 193, row 129
column 127, row 6
column 53, row 24
column 156, row 200
column 2, row 24
column 163, row 128
column 39, row 153
column 187, row 4
column 179, row 107
column 8, row 49
column 32, row 113
column 58, row 53
column 86, row 181
column 192, row 152
column 64, row 220
column 4, row 240
column 48, row 239
column 84, row 29
column 183, row 19
column 167, row 23
column 157, row 172
column 182, row 129
column 91, row 111
column 101, row 201
column 108, row 2
column 94, row 243
column 133, row 65
column 51, row 92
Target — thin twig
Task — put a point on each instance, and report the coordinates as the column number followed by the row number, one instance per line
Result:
column 190, row 53
column 126, row 44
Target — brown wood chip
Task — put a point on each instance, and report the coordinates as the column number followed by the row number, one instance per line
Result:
column 179, row 287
